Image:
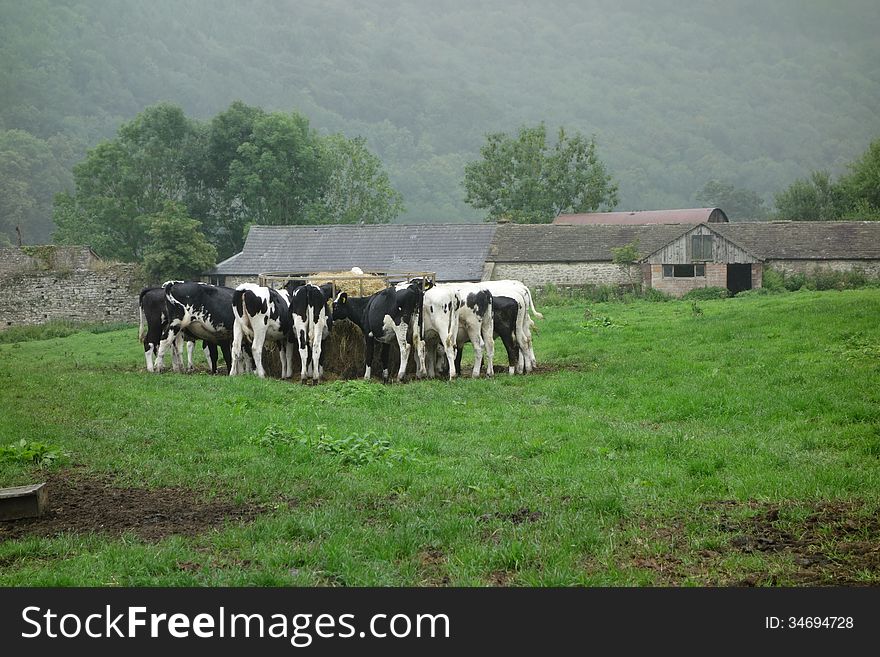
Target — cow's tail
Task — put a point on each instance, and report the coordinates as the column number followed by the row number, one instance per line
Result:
column 532, row 304
column 141, row 318
column 168, row 294
column 240, row 309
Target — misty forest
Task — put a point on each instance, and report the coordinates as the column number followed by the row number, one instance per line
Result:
column 125, row 124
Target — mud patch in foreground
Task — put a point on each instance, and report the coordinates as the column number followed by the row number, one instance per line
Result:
column 825, row 543
column 82, row 502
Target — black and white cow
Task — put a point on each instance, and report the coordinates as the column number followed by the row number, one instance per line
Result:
column 519, row 292
column 390, row 316
column 311, row 328
column 440, row 310
column 202, row 311
column 504, row 318
column 153, row 323
column 261, row 314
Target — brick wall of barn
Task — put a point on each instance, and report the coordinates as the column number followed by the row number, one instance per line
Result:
column 716, row 276
column 88, row 290
column 564, row 273
column 869, row 267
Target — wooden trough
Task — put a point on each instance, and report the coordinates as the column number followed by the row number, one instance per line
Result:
column 23, row 501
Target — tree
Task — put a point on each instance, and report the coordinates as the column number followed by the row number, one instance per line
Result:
column 528, row 181
column 738, row 203
column 357, row 189
column 816, row 198
column 862, row 185
column 177, row 248
column 31, row 170
column 278, row 172
column 122, row 182
column 626, row 257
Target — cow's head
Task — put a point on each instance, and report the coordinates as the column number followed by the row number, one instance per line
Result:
column 341, row 308
column 292, row 284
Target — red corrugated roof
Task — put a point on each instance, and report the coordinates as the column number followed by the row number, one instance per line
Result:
column 686, row 216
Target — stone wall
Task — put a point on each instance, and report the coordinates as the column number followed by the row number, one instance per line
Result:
column 869, row 267
column 90, row 290
column 46, row 257
column 562, row 273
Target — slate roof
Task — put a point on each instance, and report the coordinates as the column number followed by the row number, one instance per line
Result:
column 642, row 217
column 806, row 240
column 456, row 252
column 784, row 240
column 577, row 243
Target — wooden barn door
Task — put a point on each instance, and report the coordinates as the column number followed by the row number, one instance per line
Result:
column 739, row 277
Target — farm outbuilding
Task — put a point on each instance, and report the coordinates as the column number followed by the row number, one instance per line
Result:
column 642, row 217
column 456, row 252
column 677, row 258
column 673, row 257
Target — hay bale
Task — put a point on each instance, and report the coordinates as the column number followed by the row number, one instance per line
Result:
column 356, row 285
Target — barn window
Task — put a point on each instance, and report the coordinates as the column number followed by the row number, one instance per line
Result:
column 683, row 271
column 701, row 247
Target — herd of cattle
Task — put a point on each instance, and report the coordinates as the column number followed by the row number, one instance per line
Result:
column 431, row 320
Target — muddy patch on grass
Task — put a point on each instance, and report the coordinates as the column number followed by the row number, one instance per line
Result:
column 80, row 502
column 518, row 517
column 432, row 568
column 800, row 544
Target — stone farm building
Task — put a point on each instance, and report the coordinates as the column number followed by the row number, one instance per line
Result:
column 674, row 257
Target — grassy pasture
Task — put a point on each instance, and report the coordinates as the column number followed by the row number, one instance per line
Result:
column 732, row 442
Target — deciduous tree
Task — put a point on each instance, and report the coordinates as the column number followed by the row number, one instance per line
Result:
column 528, row 180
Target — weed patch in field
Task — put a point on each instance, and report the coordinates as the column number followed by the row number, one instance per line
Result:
column 33, row 452
column 351, row 449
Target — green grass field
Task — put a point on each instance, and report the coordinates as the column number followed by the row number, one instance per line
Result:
column 735, row 442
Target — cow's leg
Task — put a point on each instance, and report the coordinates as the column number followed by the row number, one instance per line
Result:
column 509, row 343
column 400, row 332
column 210, row 350
column 237, row 366
column 176, row 357
column 189, row 346
column 419, row 343
column 226, row 350
column 290, row 351
column 449, row 348
column 167, row 341
column 257, row 350
column 368, row 357
column 303, row 346
column 431, row 360
column 149, row 349
column 476, row 340
column 522, row 341
column 386, row 354
column 489, row 343
column 317, row 344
